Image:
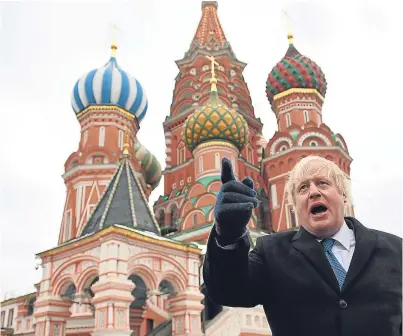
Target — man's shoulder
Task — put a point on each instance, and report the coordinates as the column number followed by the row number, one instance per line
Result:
column 278, row 237
column 382, row 236
column 388, row 238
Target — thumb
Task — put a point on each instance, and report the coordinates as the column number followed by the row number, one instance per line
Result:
column 226, row 171
column 248, row 182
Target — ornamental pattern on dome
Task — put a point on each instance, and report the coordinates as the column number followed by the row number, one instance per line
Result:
column 295, row 71
column 214, row 121
column 110, row 85
column 150, row 164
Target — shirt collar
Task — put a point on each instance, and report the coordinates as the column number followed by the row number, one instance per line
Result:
column 343, row 236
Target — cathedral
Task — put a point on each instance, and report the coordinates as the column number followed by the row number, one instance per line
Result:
column 123, row 267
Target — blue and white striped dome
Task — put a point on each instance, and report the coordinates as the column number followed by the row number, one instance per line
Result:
column 110, row 85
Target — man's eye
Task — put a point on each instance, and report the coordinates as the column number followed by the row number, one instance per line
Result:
column 302, row 188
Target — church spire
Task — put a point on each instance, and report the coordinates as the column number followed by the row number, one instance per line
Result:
column 209, row 31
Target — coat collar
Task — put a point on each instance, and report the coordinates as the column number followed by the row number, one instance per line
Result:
column 308, row 245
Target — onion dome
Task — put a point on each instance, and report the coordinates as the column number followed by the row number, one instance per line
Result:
column 149, row 163
column 215, row 121
column 110, row 85
column 295, row 71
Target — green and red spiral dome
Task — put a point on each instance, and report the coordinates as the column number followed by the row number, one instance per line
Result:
column 295, row 71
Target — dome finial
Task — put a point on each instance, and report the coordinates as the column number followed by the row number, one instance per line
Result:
column 290, row 35
column 114, row 45
column 213, row 79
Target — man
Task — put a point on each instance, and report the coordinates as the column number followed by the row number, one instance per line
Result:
column 333, row 277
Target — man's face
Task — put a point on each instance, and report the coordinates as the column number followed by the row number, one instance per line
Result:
column 319, row 204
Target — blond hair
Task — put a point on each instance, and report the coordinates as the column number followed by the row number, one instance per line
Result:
column 311, row 166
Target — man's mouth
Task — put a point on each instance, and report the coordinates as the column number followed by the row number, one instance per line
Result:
column 318, row 209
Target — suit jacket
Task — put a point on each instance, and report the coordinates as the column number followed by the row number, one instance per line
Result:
column 289, row 274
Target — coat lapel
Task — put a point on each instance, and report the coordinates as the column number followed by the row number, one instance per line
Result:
column 307, row 244
column 365, row 244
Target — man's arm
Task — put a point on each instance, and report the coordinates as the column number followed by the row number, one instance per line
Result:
column 233, row 276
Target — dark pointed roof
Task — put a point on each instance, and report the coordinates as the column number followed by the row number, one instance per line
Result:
column 123, row 203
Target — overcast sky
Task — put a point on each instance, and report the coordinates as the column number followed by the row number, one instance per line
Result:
column 46, row 46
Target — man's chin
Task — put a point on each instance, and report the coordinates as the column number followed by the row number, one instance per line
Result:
column 323, row 228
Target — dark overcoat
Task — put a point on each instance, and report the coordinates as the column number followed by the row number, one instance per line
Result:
column 289, row 275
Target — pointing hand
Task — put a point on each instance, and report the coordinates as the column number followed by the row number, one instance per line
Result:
column 234, row 204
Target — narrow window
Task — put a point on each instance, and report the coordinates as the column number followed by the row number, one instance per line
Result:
column 85, row 138
column 10, row 317
column 67, row 226
column 201, row 164
column 306, row 116
column 101, row 136
column 288, row 119
column 274, row 196
column 217, row 161
column 120, row 139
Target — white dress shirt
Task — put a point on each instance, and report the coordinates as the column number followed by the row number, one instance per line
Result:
column 344, row 246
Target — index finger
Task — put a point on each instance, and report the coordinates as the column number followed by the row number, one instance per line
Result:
column 227, row 174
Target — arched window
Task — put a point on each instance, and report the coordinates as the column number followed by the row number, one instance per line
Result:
column 174, row 217
column 194, row 219
column 181, row 153
column 31, row 305
column 69, row 293
column 88, row 289
column 101, row 136
column 161, row 218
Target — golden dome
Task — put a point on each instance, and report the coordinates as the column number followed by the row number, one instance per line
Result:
column 215, row 121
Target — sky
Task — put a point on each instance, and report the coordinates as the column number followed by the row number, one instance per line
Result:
column 46, row 46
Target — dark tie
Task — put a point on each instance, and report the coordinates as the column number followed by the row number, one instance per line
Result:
column 338, row 270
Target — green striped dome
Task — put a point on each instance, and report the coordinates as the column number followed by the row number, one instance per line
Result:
column 149, row 163
column 295, row 71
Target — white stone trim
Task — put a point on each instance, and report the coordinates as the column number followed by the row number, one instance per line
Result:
column 87, row 166
column 277, row 141
column 307, row 148
column 314, row 134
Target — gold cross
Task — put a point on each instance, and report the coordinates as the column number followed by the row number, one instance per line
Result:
column 213, row 63
column 114, row 45
column 288, row 25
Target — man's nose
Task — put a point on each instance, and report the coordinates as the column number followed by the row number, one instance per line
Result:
column 313, row 191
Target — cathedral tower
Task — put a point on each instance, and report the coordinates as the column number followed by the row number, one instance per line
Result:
column 296, row 88
column 192, row 91
column 107, row 101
